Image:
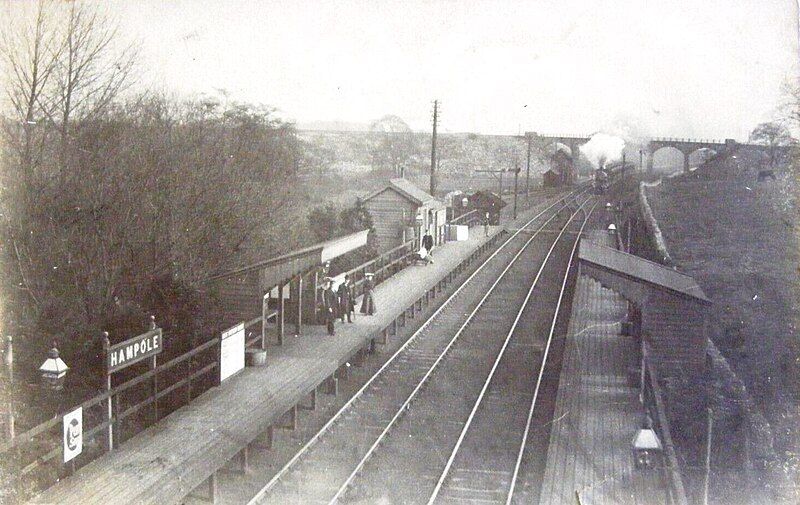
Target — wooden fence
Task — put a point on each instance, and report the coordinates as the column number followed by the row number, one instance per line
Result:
column 654, row 403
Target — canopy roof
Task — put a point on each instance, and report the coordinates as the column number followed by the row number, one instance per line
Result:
column 640, row 269
column 279, row 269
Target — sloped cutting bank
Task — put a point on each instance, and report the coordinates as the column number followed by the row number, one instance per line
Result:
column 743, row 440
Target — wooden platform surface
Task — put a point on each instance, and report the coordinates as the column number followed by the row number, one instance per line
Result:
column 597, row 413
column 167, row 461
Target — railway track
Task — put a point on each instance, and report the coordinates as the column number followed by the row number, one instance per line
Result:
column 335, row 458
column 490, row 463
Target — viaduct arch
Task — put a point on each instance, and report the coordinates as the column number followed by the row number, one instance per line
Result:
column 686, row 146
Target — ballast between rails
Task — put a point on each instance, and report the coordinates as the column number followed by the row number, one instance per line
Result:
column 507, row 340
column 314, row 439
column 441, row 356
column 524, row 441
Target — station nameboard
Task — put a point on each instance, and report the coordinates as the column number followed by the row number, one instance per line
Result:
column 134, row 350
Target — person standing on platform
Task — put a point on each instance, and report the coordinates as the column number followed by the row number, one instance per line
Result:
column 486, row 224
column 346, row 304
column 427, row 241
column 330, row 305
column 368, row 303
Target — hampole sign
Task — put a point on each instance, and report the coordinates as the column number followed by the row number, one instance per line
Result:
column 73, row 434
column 136, row 349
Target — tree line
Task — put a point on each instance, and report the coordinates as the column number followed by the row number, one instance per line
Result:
column 114, row 204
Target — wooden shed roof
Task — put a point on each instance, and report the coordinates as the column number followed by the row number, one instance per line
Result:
column 409, row 191
column 640, row 269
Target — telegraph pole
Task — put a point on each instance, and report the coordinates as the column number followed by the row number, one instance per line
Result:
column 433, row 147
column 528, row 169
column 516, row 176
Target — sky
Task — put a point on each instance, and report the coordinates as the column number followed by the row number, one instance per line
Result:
column 711, row 69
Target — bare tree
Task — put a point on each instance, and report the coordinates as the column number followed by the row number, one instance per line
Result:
column 30, row 56
column 91, row 71
column 772, row 135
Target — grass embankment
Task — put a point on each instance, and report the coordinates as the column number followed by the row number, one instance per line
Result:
column 739, row 239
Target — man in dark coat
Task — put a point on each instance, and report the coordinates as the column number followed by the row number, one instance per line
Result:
column 427, row 241
column 346, row 300
column 368, row 303
column 330, row 306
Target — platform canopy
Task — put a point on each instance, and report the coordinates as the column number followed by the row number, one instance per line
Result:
column 277, row 270
column 640, row 270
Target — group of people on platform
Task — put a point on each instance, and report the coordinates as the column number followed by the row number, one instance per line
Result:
column 341, row 302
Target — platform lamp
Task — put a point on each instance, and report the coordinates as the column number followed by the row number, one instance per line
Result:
column 645, row 446
column 53, row 370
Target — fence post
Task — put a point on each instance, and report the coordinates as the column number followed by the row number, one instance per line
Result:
column 109, row 406
column 9, row 362
column 264, row 312
column 154, row 368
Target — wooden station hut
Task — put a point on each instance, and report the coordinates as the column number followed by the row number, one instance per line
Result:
column 401, row 211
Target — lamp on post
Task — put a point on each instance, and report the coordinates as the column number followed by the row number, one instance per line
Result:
column 646, row 446
column 53, row 370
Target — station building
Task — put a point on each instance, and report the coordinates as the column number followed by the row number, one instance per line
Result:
column 401, row 211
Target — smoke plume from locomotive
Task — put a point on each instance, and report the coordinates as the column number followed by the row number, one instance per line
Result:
column 603, row 148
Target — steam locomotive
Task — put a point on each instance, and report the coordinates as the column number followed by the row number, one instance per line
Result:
column 606, row 175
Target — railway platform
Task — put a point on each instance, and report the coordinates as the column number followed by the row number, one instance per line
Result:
column 597, row 413
column 183, row 453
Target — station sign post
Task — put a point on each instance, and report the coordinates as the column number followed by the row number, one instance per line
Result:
column 148, row 345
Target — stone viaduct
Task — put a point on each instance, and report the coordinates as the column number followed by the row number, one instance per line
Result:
column 686, row 146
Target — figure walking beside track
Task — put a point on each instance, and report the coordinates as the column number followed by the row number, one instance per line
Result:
column 368, row 303
column 486, row 224
column 330, row 304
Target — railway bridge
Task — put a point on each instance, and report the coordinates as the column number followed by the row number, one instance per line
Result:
column 687, row 146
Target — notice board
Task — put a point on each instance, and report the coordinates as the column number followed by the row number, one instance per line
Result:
column 73, row 434
column 231, row 352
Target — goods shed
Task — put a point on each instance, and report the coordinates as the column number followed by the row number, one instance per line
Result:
column 401, row 211
column 484, row 201
column 562, row 170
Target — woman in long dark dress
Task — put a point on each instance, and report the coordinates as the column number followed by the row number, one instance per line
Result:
column 368, row 303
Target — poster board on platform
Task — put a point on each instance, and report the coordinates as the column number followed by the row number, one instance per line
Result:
column 231, row 352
